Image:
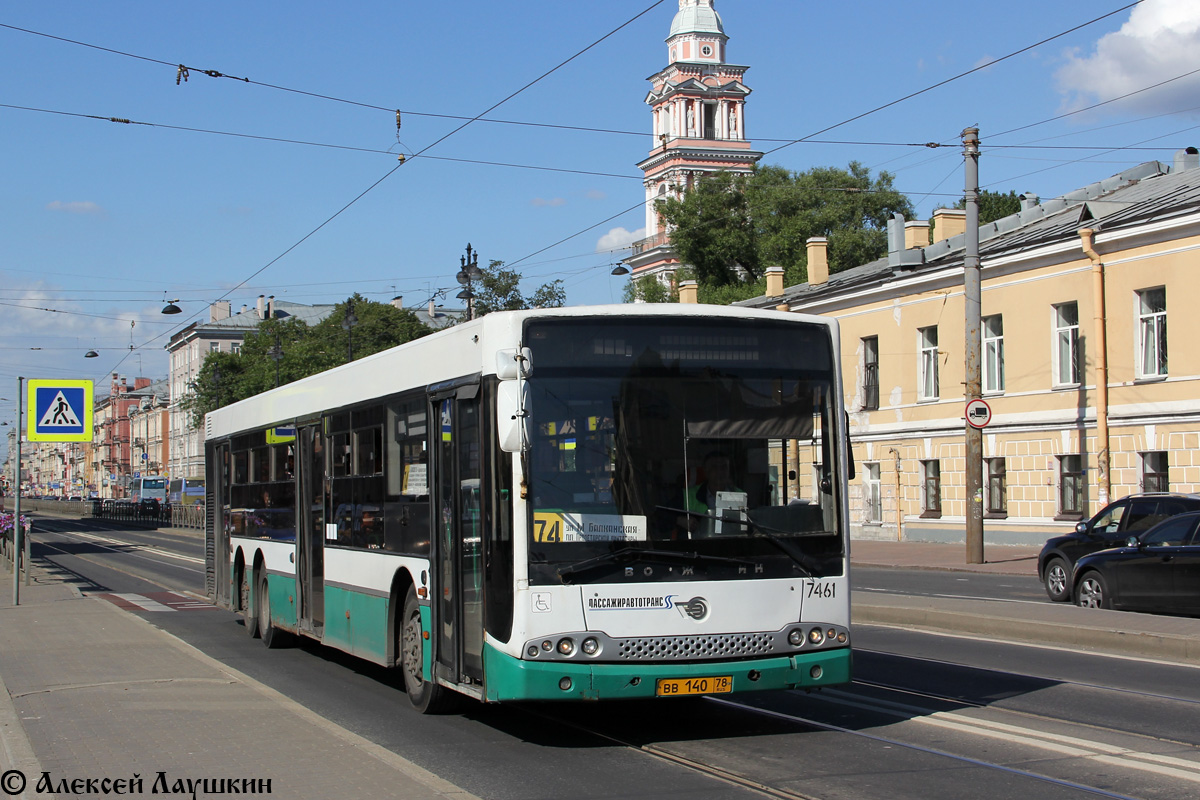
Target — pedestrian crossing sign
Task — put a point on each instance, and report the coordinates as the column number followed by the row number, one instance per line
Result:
column 59, row 410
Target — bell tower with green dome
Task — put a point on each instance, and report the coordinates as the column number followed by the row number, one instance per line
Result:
column 698, row 104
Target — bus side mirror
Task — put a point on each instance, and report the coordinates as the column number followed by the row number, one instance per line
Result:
column 512, row 416
column 514, row 363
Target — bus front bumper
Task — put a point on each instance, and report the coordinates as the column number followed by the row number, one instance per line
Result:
column 509, row 678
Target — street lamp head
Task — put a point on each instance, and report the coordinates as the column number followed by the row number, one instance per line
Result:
column 620, row 269
column 91, row 354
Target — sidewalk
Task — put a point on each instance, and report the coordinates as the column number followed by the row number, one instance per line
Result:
column 89, row 692
column 999, row 559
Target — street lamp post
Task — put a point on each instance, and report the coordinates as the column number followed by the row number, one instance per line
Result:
column 467, row 275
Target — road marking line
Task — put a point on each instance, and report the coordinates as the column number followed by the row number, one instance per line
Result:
column 143, row 602
column 1113, row 755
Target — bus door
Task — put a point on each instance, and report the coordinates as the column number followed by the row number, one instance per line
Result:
column 457, row 544
column 311, row 501
column 216, row 540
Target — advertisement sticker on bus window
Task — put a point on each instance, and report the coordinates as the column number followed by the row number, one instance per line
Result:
column 416, row 479
column 331, row 531
column 556, row 526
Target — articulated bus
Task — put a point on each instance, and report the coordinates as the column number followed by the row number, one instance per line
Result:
column 579, row 504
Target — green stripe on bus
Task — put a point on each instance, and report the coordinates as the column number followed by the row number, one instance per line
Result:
column 510, row 678
column 357, row 623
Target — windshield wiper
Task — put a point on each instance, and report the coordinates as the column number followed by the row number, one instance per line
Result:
column 807, row 564
column 636, row 553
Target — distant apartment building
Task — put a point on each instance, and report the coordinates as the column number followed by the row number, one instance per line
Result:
column 1086, row 362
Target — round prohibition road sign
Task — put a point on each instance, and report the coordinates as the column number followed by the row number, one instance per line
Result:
column 979, row 414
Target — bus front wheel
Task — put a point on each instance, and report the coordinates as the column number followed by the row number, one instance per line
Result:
column 425, row 695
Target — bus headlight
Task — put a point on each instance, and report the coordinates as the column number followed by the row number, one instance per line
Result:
column 796, row 637
column 816, row 636
column 590, row 646
column 566, row 646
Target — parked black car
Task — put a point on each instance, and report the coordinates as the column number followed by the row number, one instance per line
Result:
column 1111, row 527
column 1157, row 571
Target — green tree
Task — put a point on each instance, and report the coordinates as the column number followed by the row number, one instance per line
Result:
column 731, row 227
column 649, row 289
column 499, row 290
column 994, row 205
column 225, row 378
column 377, row 326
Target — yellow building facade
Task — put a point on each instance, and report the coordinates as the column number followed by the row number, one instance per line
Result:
column 1087, row 349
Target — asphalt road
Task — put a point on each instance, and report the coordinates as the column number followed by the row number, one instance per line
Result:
column 928, row 716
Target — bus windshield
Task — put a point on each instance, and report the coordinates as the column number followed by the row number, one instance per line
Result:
column 671, row 450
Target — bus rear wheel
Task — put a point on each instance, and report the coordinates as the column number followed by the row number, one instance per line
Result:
column 425, row 695
column 249, row 618
column 272, row 637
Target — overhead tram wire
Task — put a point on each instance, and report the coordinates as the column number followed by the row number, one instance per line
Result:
column 393, row 170
column 525, row 123
column 868, row 113
column 1096, row 105
column 939, row 84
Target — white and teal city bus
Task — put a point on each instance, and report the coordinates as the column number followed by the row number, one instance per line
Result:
column 579, row 504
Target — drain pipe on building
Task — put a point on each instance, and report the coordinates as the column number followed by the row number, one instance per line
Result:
column 1086, row 236
column 899, row 498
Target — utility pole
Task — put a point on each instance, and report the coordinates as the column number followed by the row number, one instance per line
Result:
column 17, row 531
column 972, row 292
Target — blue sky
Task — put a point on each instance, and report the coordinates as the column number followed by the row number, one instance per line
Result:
column 102, row 221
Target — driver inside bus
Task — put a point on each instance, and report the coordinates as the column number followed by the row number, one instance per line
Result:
column 701, row 499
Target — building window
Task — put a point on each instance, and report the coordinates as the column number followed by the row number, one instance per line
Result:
column 1071, row 483
column 235, row 348
column 870, row 397
column 1152, row 333
column 931, row 488
column 997, row 488
column 993, row 354
column 929, row 364
column 1154, row 472
column 1066, row 344
column 214, row 347
column 872, row 493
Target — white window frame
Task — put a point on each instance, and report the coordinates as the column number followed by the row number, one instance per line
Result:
column 1066, row 335
column 993, row 354
column 927, row 367
column 1151, row 356
column 872, row 494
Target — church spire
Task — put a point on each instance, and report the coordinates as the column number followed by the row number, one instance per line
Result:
column 698, row 112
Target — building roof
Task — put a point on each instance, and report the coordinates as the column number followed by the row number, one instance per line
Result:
column 1146, row 193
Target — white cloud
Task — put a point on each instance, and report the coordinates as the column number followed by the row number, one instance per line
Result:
column 552, row 202
column 596, row 194
column 1159, row 42
column 619, row 238
column 75, row 207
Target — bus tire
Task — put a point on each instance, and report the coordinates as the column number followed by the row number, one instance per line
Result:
column 249, row 618
column 272, row 637
column 425, row 695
